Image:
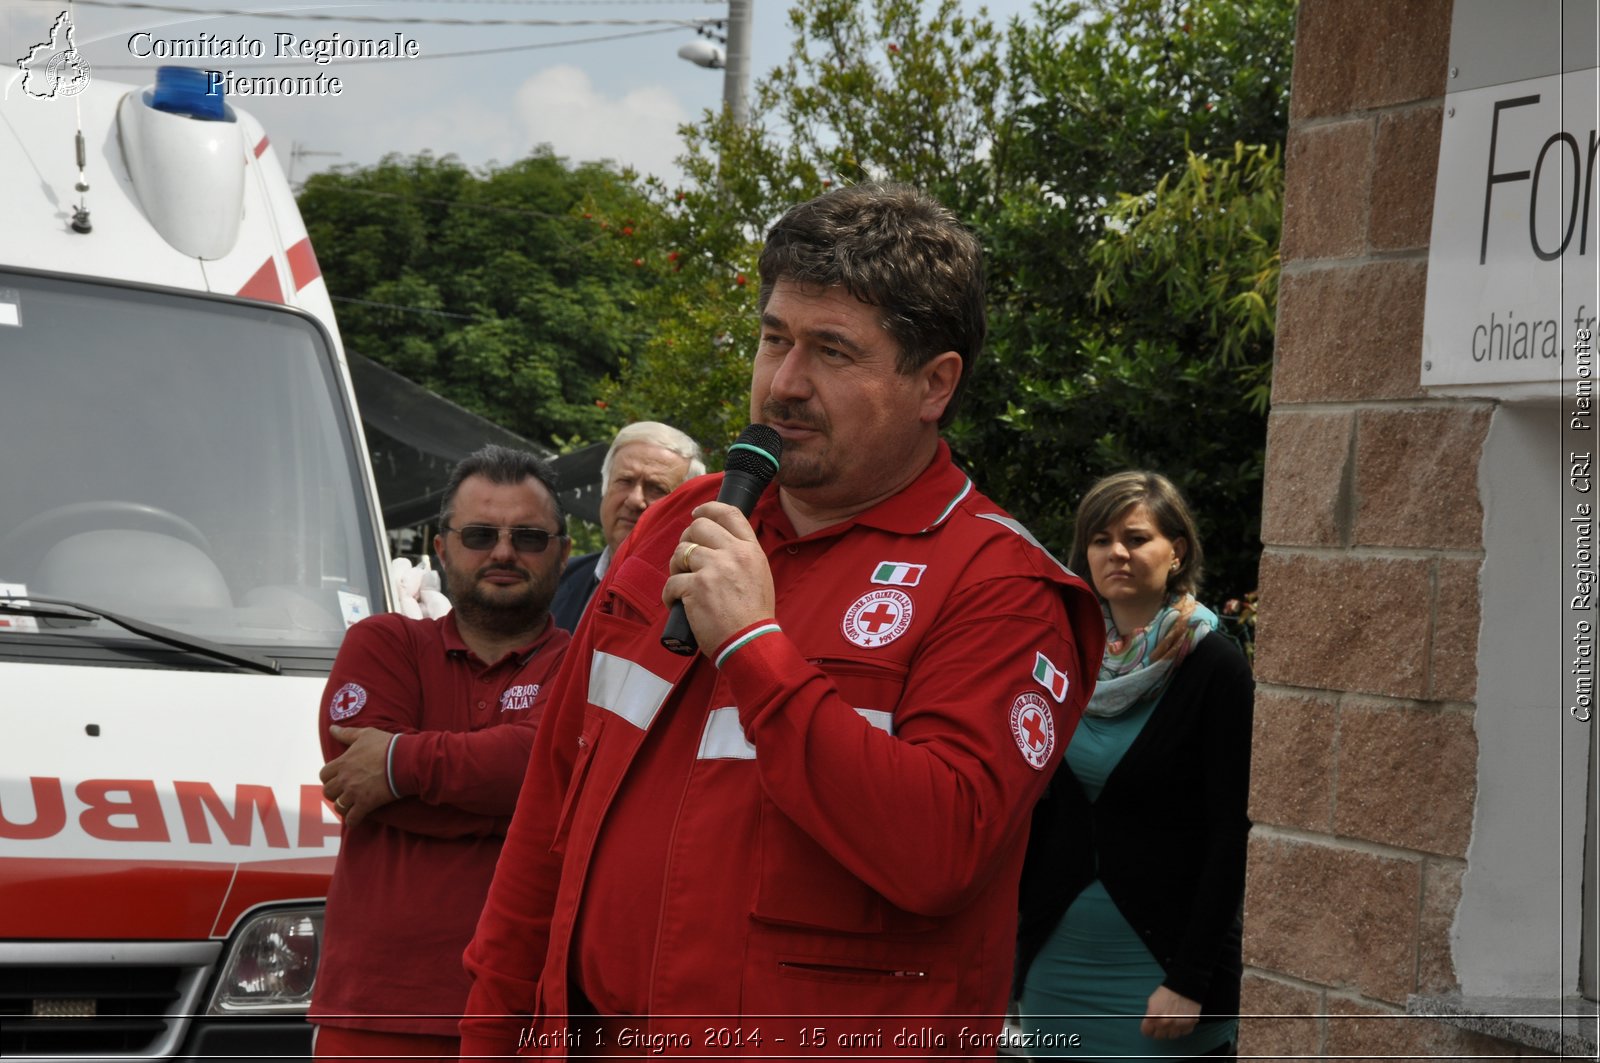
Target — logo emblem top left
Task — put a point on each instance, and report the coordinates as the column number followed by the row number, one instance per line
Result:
column 55, row 68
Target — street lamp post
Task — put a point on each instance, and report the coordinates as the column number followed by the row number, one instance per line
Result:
column 736, row 78
column 734, row 64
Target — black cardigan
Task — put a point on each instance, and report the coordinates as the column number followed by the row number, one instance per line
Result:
column 1169, row 828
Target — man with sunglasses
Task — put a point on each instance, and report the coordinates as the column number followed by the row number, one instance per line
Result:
column 426, row 726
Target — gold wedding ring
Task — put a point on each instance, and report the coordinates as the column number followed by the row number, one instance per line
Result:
column 683, row 558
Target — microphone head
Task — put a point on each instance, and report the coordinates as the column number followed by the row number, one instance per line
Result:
column 755, row 453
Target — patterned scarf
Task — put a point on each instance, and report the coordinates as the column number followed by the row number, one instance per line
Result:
column 1127, row 676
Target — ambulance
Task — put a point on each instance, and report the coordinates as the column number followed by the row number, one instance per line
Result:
column 188, row 525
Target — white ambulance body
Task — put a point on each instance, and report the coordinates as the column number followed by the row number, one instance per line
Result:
column 179, row 447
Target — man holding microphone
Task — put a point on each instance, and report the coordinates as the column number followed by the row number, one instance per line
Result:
column 822, row 813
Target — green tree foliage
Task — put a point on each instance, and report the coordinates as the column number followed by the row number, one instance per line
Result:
column 700, row 245
column 1172, row 371
column 1120, row 161
column 1106, row 350
column 1199, row 255
column 491, row 288
column 886, row 89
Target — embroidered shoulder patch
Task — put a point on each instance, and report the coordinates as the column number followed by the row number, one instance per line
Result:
column 347, row 701
column 1050, row 677
column 877, row 618
column 1034, row 729
column 898, row 573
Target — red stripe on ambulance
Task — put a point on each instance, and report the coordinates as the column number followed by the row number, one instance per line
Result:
column 303, row 264
column 264, row 285
column 168, row 900
column 273, row 882
column 156, row 900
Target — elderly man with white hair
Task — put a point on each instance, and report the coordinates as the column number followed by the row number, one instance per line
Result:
column 646, row 461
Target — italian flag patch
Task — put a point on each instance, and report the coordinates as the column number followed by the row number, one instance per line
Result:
column 1050, row 677
column 898, row 573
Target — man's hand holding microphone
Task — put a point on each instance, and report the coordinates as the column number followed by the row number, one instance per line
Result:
column 719, row 581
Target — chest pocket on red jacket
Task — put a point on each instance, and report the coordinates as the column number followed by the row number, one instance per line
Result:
column 871, row 687
column 800, row 883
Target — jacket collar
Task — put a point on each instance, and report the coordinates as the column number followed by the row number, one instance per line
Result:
column 927, row 502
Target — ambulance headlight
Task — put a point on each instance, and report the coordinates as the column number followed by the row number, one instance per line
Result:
column 271, row 965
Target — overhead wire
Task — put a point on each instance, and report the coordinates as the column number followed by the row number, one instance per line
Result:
column 409, row 20
column 424, row 55
column 658, row 26
column 561, row 3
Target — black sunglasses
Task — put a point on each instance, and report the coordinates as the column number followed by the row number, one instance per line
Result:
column 485, row 536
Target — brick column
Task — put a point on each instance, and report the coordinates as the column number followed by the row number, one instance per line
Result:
column 1365, row 755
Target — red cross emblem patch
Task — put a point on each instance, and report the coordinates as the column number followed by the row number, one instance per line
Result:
column 877, row 617
column 346, row 702
column 1034, row 729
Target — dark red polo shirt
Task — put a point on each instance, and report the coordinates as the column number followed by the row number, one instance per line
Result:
column 411, row 878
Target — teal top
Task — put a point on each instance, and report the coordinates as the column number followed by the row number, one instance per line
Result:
column 1094, row 975
column 1099, row 743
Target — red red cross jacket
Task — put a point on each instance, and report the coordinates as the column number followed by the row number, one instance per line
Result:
column 829, row 825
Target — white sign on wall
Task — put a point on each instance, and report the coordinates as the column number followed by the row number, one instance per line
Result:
column 1512, row 279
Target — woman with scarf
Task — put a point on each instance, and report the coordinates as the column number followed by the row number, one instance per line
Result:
column 1132, row 890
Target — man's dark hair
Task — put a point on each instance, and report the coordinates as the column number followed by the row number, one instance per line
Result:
column 896, row 248
column 502, row 465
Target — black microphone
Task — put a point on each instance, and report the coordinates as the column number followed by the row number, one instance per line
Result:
column 752, row 463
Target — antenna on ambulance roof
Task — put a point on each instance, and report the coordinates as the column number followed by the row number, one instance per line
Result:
column 80, row 216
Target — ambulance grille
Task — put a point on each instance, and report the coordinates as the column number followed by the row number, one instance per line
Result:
column 129, row 1005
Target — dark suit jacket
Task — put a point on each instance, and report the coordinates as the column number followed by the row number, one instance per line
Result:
column 576, row 588
column 1167, row 834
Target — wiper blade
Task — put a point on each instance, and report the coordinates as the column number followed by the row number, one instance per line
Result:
column 41, row 607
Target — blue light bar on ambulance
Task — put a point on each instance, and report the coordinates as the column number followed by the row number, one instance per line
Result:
column 189, row 92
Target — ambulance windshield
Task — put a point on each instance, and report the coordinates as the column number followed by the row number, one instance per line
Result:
column 183, row 460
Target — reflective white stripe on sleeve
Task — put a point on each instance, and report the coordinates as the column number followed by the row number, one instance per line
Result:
column 723, row 737
column 626, row 688
column 883, row 721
